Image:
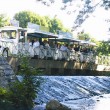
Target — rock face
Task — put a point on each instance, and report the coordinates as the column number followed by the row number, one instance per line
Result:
column 6, row 72
column 55, row 105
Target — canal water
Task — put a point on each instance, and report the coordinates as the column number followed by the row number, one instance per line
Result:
column 76, row 92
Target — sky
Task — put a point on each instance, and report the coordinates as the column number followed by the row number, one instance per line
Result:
column 95, row 24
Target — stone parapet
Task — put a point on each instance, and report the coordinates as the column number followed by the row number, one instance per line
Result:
column 6, row 72
column 53, row 67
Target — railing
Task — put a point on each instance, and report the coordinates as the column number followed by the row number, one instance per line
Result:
column 55, row 54
column 103, row 60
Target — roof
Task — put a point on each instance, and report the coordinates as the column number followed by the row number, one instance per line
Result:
column 88, row 42
column 10, row 28
column 41, row 34
column 66, row 40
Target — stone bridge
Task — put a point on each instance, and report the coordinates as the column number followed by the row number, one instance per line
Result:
column 9, row 66
column 72, row 68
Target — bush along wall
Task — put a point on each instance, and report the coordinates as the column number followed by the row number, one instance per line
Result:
column 20, row 94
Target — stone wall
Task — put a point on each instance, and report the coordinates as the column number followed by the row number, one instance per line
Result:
column 52, row 67
column 6, row 72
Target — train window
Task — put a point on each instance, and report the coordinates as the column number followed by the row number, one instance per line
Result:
column 8, row 34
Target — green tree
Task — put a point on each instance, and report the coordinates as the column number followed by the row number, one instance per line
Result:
column 87, row 36
column 48, row 20
column 3, row 20
column 43, row 21
column 26, row 16
column 21, row 93
column 56, row 25
column 103, row 48
column 53, row 24
column 83, row 36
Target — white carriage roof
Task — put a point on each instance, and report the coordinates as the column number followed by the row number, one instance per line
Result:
column 34, row 33
column 88, row 42
column 10, row 28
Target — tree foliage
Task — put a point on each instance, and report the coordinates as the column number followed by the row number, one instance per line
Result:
column 21, row 94
column 3, row 20
column 26, row 16
column 84, row 8
column 86, row 36
column 56, row 25
column 106, row 4
column 53, row 24
column 103, row 48
column 83, row 36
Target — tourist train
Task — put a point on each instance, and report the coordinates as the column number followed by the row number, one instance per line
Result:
column 39, row 44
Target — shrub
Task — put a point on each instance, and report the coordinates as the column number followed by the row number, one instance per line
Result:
column 21, row 94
